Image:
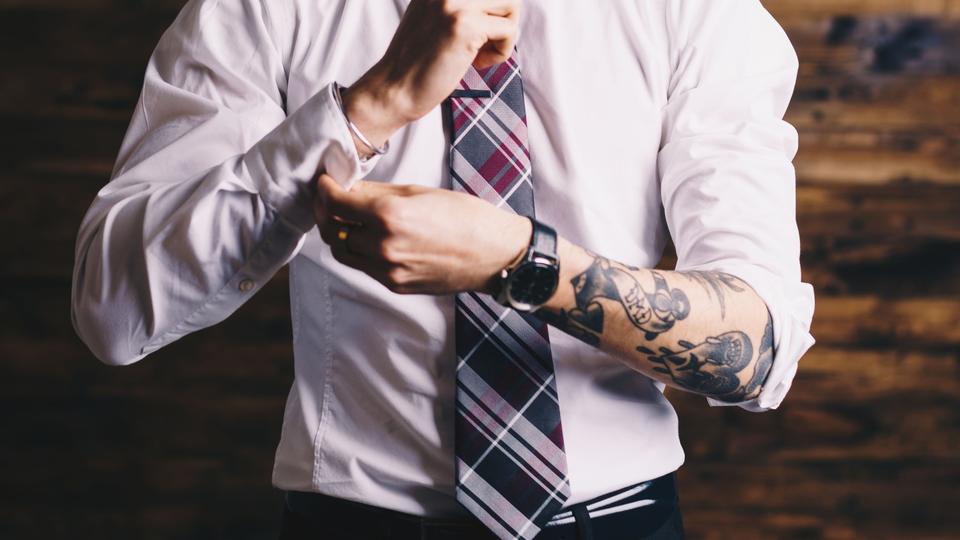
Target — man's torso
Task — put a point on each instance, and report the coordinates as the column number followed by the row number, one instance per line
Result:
column 370, row 416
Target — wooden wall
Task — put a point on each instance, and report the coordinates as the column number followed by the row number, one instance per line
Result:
column 180, row 446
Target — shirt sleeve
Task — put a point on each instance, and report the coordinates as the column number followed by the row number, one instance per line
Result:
column 728, row 184
column 212, row 189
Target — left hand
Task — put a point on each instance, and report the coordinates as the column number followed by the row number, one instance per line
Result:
column 416, row 239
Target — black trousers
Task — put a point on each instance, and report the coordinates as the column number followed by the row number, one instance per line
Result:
column 319, row 517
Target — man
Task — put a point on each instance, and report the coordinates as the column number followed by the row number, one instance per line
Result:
column 470, row 222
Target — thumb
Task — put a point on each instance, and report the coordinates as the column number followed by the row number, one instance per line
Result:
column 352, row 205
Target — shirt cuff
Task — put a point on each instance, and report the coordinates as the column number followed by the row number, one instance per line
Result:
column 285, row 163
column 791, row 307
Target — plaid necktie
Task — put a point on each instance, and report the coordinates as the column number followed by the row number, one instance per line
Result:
column 510, row 461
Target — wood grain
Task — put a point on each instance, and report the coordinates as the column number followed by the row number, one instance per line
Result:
column 181, row 446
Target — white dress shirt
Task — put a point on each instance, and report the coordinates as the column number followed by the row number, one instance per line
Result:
column 647, row 118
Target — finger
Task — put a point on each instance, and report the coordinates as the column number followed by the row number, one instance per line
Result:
column 373, row 268
column 360, row 239
column 377, row 189
column 330, row 230
column 501, row 36
column 500, row 8
column 348, row 258
column 352, row 205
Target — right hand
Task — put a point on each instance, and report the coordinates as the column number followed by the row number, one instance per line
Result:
column 435, row 43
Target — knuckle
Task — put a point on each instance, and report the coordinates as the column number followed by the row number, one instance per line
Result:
column 385, row 206
column 449, row 7
column 388, row 252
column 462, row 27
column 390, row 211
column 395, row 278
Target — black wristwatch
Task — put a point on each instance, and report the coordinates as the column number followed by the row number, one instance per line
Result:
column 528, row 284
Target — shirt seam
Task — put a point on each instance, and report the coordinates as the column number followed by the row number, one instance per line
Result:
column 324, row 420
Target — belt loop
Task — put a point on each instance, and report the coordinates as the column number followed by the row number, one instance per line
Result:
column 582, row 517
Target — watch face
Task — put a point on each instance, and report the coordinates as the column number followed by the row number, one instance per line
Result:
column 532, row 284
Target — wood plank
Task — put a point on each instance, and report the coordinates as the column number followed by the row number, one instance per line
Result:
column 206, row 359
column 848, row 500
column 793, row 9
column 902, row 239
column 869, row 213
column 846, row 405
column 849, row 375
column 921, row 322
column 927, row 144
column 116, row 37
column 898, row 268
column 73, row 91
column 37, row 144
column 866, row 167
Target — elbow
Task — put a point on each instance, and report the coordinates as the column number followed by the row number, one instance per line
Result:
column 103, row 330
column 99, row 314
column 739, row 398
column 750, row 402
column 750, row 383
column 754, row 395
column 103, row 340
column 752, row 379
column 112, row 357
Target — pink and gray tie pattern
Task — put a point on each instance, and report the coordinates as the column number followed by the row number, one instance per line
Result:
column 510, row 463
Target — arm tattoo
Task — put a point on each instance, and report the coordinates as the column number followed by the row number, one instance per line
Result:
column 714, row 366
column 563, row 322
column 716, row 281
column 653, row 312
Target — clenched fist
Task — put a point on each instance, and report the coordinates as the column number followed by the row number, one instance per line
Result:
column 434, row 45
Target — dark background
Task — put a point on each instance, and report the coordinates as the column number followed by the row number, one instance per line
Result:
column 181, row 444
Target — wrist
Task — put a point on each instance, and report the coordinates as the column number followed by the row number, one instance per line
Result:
column 517, row 233
column 521, row 231
column 374, row 108
column 574, row 260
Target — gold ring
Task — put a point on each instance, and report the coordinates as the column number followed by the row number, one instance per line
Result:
column 343, row 232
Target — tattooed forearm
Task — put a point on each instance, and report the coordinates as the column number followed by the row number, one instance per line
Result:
column 653, row 312
column 716, row 281
column 764, row 362
column 717, row 367
column 563, row 321
column 710, row 338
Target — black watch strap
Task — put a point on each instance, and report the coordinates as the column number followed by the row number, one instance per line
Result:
column 543, row 240
column 539, row 257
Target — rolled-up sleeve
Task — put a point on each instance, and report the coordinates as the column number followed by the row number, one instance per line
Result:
column 212, row 188
column 727, row 180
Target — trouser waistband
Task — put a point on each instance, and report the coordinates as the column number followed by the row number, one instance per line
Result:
column 640, row 509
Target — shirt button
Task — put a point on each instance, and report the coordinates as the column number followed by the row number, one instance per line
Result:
column 246, row 285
